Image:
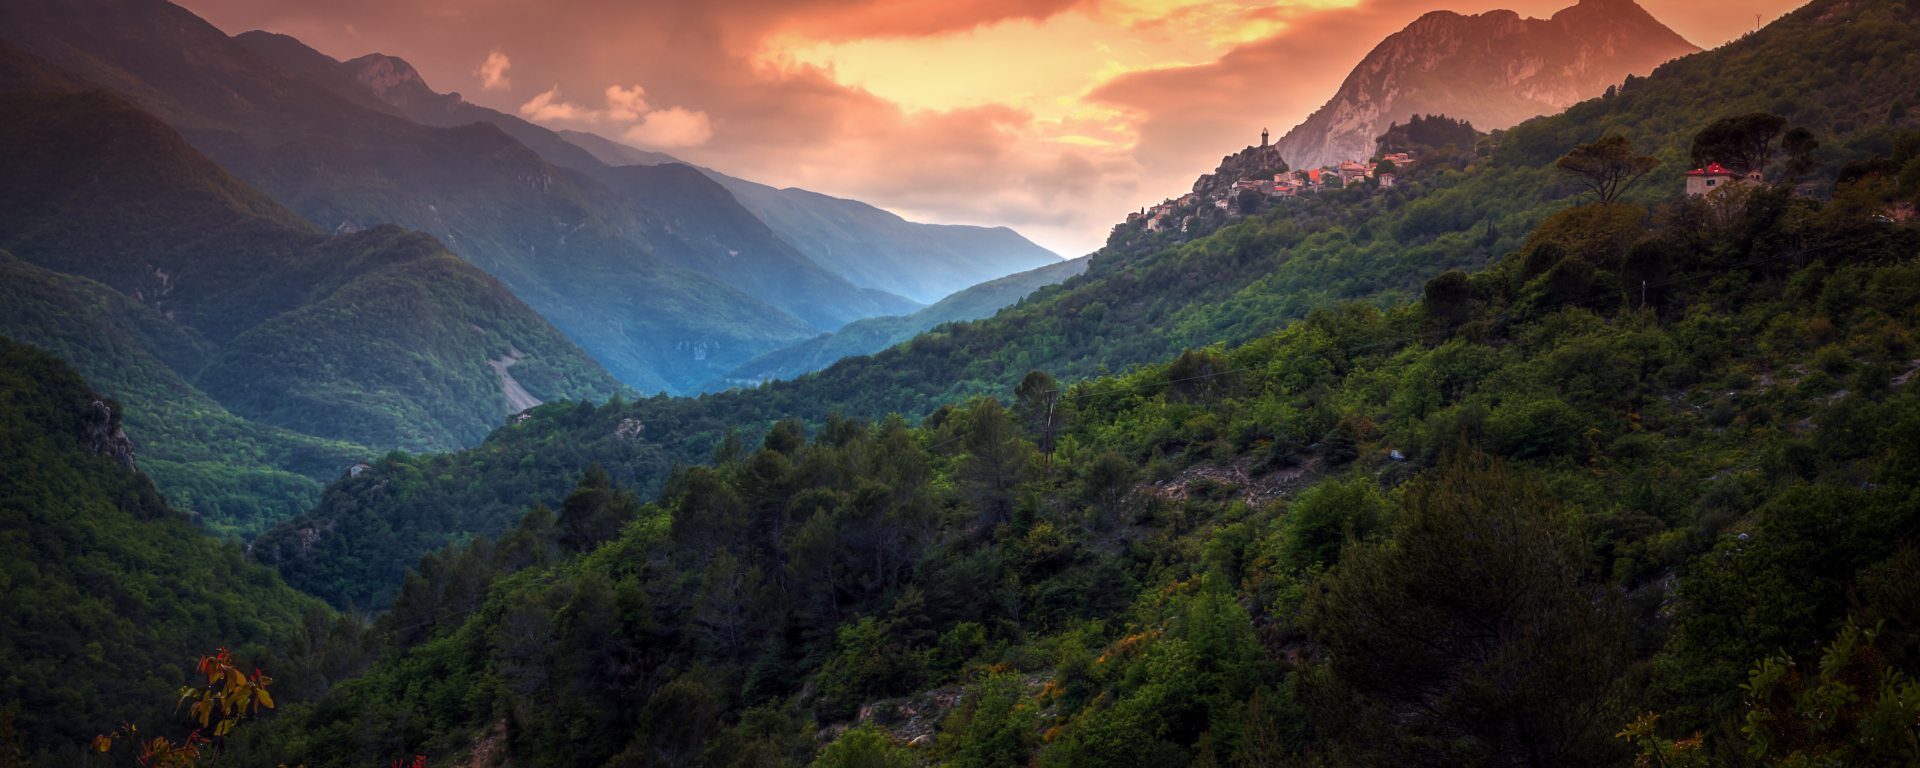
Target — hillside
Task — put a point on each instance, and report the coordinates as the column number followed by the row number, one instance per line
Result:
column 110, row 594
column 866, row 337
column 710, row 233
column 559, row 239
column 1144, row 302
column 1497, row 526
column 1494, row 70
column 233, row 475
column 882, row 251
column 614, row 153
column 735, row 246
column 178, row 286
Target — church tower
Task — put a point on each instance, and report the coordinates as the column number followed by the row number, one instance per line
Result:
column 1263, row 137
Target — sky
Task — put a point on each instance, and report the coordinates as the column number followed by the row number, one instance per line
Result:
column 1054, row 117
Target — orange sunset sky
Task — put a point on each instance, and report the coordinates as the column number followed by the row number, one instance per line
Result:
column 1054, row 117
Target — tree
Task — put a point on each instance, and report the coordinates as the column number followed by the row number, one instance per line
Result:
column 1800, row 145
column 1744, row 143
column 595, row 511
column 1471, row 638
column 996, row 460
column 1199, row 374
column 1850, row 709
column 1447, row 299
column 1037, row 400
column 1106, row 481
column 1607, row 167
column 228, row 698
column 863, row 746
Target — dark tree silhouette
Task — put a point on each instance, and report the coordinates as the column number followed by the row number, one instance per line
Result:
column 1744, row 143
column 1607, row 167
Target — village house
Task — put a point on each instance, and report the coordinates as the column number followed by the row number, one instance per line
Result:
column 1701, row 181
column 1387, row 180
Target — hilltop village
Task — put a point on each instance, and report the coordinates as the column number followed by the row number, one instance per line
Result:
column 1248, row 180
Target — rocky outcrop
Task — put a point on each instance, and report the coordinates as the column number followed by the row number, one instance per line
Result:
column 103, row 435
column 1494, row 70
column 1257, row 163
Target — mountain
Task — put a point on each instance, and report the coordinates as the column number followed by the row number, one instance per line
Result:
column 614, row 153
column 729, row 243
column 868, row 246
column 1494, row 70
column 232, row 475
column 879, row 250
column 1145, row 299
column 558, row 238
column 854, row 242
column 711, row 233
column 390, row 84
column 1638, row 484
column 110, row 594
column 866, row 337
column 178, row 287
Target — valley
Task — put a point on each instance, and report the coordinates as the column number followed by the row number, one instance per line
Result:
column 1544, row 399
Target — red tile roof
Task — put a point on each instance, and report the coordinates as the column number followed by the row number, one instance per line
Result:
column 1712, row 169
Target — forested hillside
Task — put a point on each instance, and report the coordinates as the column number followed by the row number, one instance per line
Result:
column 109, row 593
column 234, row 475
column 1146, row 299
column 261, row 355
column 1650, row 461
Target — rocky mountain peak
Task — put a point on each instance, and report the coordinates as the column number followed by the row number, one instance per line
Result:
column 393, row 80
column 1494, row 69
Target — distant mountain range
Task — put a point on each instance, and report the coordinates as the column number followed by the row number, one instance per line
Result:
column 664, row 296
column 880, row 250
column 1493, row 70
column 865, row 337
column 257, row 350
column 866, row 245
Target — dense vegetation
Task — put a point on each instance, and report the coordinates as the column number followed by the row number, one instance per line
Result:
column 109, row 593
column 235, row 475
column 258, row 355
column 1494, row 527
column 1643, row 488
column 1146, row 298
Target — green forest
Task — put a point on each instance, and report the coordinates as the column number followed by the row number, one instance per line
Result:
column 1531, row 460
column 1502, row 525
column 1144, row 302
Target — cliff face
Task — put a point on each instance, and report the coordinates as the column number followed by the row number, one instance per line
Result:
column 1494, row 70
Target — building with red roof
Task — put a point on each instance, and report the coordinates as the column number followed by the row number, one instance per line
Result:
column 1700, row 181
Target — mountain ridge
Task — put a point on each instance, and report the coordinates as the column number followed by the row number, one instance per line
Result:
column 1494, row 69
column 554, row 235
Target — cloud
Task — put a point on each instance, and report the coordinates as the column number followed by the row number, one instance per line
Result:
column 1055, row 116
column 493, row 71
column 548, row 108
column 841, row 21
column 626, row 104
column 671, row 128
